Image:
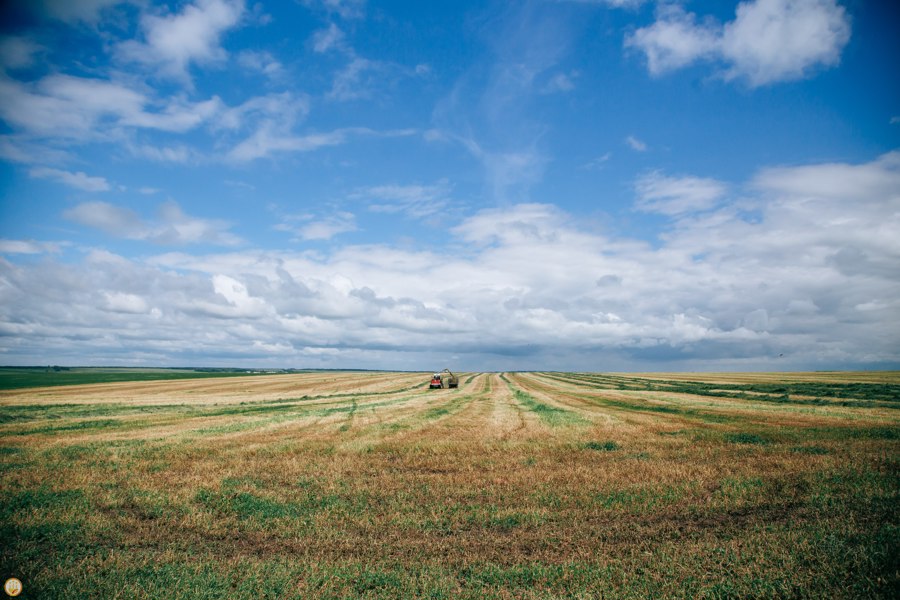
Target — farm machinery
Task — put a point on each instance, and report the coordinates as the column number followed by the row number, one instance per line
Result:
column 444, row 379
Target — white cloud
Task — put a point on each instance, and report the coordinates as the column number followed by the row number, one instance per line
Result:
column 677, row 195
column 125, row 303
column 281, row 111
column 266, row 141
column 598, row 162
column 801, row 262
column 68, row 107
column 165, row 154
column 356, row 80
column 179, row 228
column 875, row 181
column 174, row 42
column 517, row 225
column 173, row 227
column 328, row 227
column 782, row 40
column 61, row 108
column 414, row 201
column 768, row 41
column 28, row 247
column 560, row 83
column 612, row 3
column 262, row 62
column 79, row 179
column 635, row 144
column 328, row 39
column 269, row 140
column 109, row 218
column 674, row 40
column 346, row 9
column 308, row 227
column 22, row 149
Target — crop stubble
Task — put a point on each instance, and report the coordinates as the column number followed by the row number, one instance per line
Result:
column 514, row 485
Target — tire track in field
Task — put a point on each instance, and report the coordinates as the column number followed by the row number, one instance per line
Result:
column 461, row 414
column 504, row 404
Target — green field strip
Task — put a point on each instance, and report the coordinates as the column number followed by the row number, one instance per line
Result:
column 535, row 381
column 547, row 413
column 865, row 395
column 12, row 378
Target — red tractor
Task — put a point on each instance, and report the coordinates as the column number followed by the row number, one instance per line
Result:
column 444, row 379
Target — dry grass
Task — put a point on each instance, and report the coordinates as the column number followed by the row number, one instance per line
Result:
column 532, row 485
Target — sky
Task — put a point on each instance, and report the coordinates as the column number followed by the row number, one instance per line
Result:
column 593, row 185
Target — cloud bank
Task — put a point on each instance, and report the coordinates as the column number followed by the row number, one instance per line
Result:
column 797, row 263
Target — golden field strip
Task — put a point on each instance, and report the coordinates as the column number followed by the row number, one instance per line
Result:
column 515, row 485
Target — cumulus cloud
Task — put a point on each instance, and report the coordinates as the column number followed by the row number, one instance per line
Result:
column 174, row 42
column 767, row 42
column 172, row 227
column 674, row 40
column 800, row 262
column 60, row 110
column 778, row 40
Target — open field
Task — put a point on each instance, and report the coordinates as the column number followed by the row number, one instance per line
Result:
column 27, row 377
column 516, row 485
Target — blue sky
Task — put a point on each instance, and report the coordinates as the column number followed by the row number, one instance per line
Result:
column 574, row 185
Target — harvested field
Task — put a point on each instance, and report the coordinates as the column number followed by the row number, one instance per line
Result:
column 516, row 485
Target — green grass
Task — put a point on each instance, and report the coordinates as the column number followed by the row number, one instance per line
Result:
column 551, row 415
column 747, row 438
column 607, row 446
column 12, row 378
